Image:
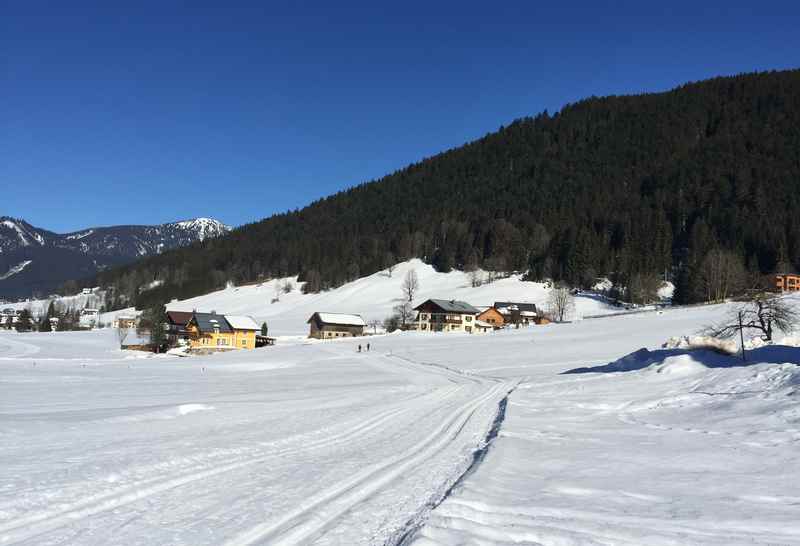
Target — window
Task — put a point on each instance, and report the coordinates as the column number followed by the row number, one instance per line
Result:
column 244, row 343
column 423, row 316
column 424, row 326
column 468, row 329
column 468, row 319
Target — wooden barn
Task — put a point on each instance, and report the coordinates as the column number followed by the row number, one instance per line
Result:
column 335, row 325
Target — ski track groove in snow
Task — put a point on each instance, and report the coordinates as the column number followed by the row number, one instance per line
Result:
column 313, row 518
column 42, row 522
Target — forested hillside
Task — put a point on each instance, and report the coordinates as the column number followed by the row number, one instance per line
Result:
column 617, row 186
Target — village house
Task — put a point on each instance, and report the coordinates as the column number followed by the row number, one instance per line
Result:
column 786, row 282
column 220, row 332
column 516, row 312
column 125, row 322
column 89, row 317
column 492, row 316
column 449, row 316
column 176, row 326
column 335, row 325
column 7, row 316
column 244, row 331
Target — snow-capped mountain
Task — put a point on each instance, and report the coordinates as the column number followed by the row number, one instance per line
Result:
column 37, row 260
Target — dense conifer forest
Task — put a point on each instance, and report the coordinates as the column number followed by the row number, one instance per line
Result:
column 622, row 186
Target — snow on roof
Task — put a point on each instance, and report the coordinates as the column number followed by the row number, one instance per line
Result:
column 341, row 318
column 207, row 322
column 451, row 306
column 483, row 324
column 242, row 322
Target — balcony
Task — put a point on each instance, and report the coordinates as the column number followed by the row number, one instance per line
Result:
column 442, row 319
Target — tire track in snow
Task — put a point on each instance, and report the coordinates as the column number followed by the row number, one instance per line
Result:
column 319, row 513
column 42, row 522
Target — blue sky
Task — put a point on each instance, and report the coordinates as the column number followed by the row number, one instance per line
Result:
column 147, row 112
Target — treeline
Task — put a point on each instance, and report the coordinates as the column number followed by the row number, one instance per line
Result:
column 627, row 187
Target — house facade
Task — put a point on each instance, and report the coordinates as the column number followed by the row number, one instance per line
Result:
column 125, row 322
column 492, row 316
column 446, row 316
column 244, row 331
column 209, row 331
column 517, row 313
column 335, row 325
column 89, row 317
column 786, row 282
column 176, row 325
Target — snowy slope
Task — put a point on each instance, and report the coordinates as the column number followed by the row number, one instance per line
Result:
column 372, row 297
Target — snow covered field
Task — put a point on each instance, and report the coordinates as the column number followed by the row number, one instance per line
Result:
column 313, row 442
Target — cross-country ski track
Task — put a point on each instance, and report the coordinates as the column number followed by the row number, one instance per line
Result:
column 410, row 448
column 426, row 440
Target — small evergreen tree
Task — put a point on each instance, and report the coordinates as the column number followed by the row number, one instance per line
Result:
column 154, row 319
column 24, row 321
column 264, row 329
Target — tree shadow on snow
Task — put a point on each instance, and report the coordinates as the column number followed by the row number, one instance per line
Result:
column 638, row 360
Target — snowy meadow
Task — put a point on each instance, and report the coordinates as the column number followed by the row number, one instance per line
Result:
column 605, row 438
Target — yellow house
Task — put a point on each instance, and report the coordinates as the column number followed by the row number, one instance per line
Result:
column 220, row 332
column 244, row 331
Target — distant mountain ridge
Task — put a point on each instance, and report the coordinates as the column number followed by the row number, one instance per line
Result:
column 35, row 260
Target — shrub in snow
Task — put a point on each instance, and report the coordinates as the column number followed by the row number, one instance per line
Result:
column 693, row 343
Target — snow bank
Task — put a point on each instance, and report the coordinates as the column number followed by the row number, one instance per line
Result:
column 721, row 346
column 680, row 365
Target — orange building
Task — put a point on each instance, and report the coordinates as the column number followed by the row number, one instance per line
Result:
column 493, row 317
column 787, row 282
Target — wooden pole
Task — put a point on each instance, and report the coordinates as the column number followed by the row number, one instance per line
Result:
column 741, row 336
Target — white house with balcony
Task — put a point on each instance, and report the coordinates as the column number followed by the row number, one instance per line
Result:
column 449, row 316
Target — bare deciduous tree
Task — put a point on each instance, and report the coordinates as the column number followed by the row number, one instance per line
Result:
column 560, row 303
column 763, row 312
column 390, row 263
column 722, row 275
column 391, row 323
column 475, row 278
column 374, row 324
column 410, row 285
column 404, row 313
column 643, row 288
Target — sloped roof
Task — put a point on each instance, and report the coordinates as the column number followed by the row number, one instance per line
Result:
column 179, row 317
column 208, row 322
column 451, row 306
column 339, row 318
column 242, row 322
column 505, row 307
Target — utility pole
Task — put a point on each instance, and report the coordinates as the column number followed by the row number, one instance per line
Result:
column 741, row 336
